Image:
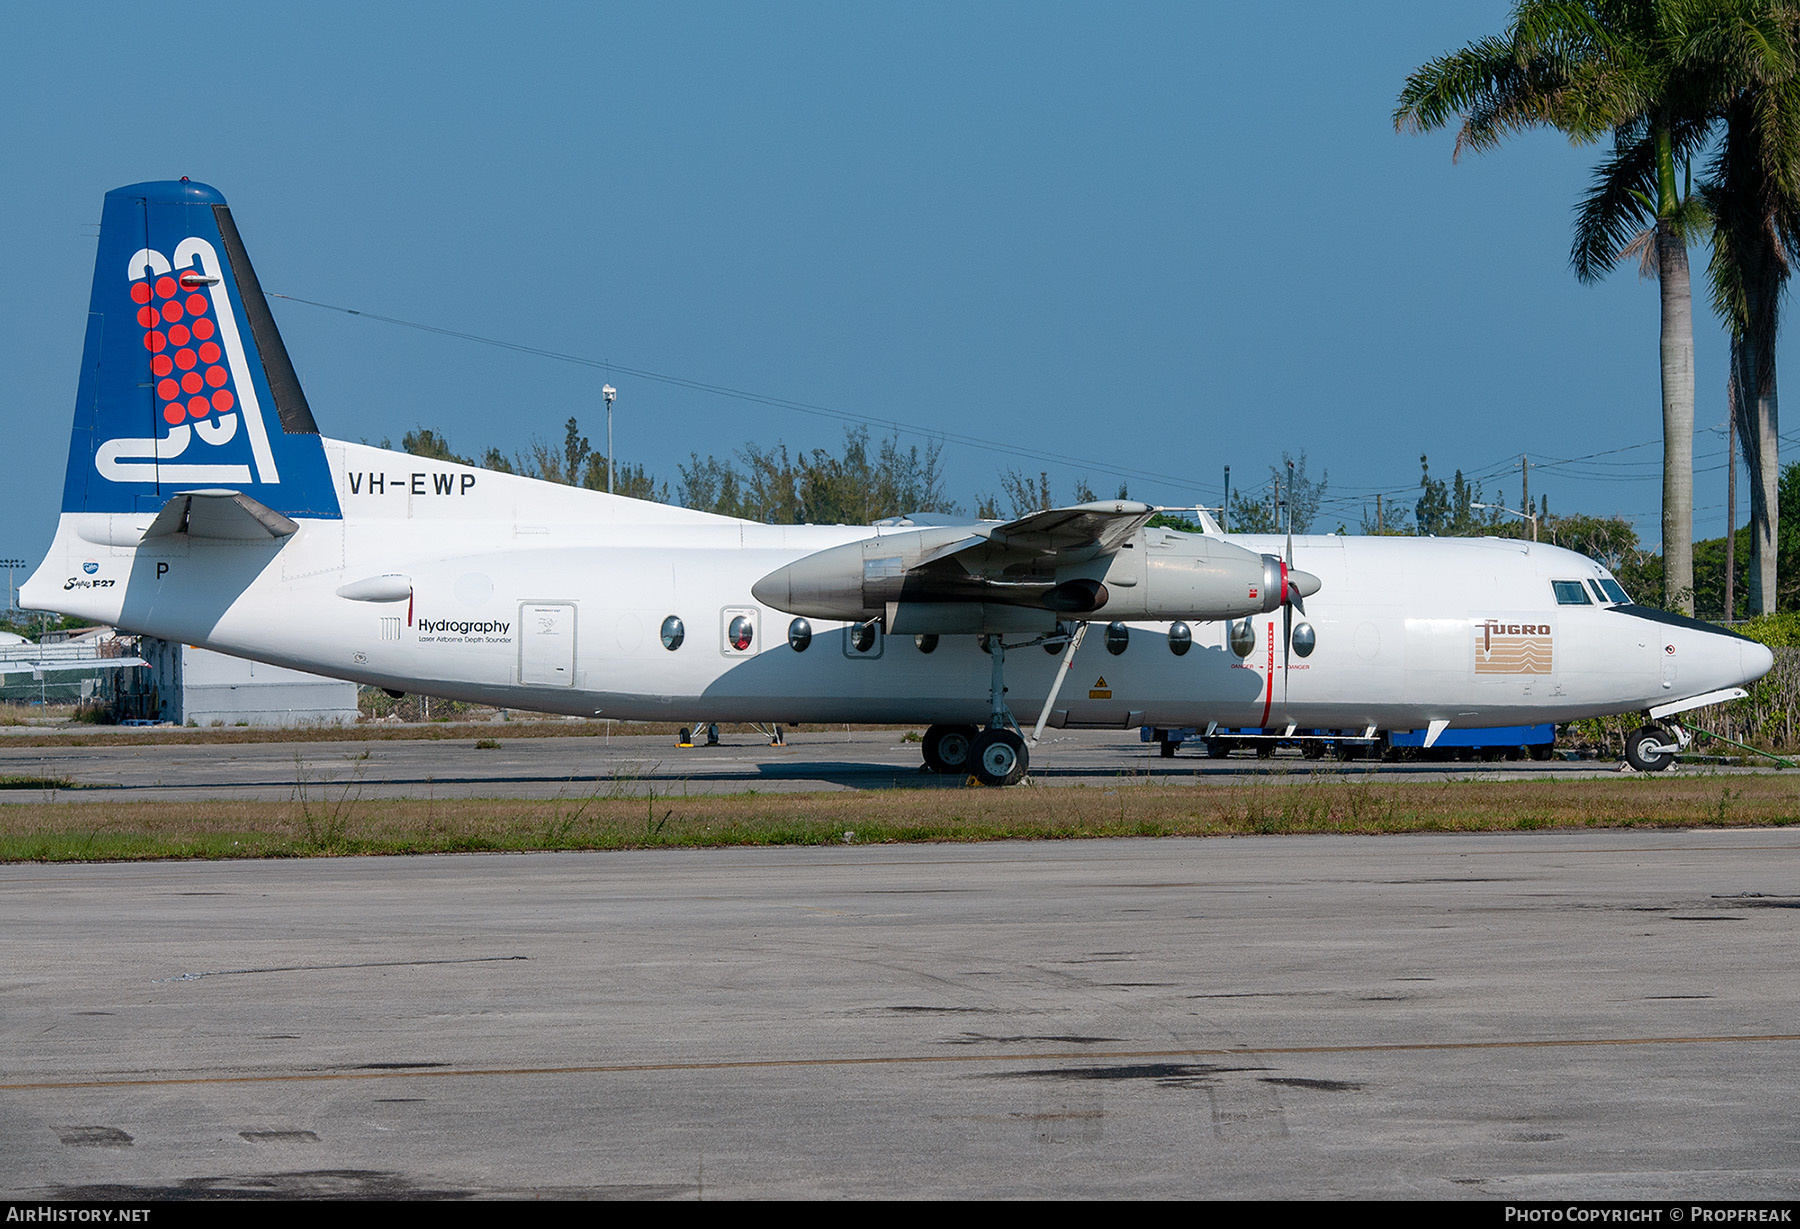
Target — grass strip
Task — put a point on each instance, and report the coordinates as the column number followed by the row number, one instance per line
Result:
column 17, row 782
column 340, row 824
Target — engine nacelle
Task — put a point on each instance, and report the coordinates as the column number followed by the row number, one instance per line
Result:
column 952, row 576
column 856, row 581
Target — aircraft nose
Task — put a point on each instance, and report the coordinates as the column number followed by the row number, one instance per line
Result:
column 1304, row 583
column 1755, row 660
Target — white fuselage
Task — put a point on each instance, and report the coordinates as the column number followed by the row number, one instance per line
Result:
column 518, row 593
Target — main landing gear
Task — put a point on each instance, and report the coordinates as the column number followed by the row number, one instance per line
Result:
column 1651, row 748
column 999, row 754
column 947, row 747
column 996, row 756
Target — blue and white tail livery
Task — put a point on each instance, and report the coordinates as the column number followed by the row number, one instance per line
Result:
column 185, row 382
column 202, row 505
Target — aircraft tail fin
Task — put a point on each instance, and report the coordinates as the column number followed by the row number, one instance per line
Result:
column 185, row 382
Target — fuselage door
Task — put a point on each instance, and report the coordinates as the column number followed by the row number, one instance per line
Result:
column 547, row 644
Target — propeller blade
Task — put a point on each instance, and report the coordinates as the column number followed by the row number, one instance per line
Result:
column 1289, row 557
column 1287, row 647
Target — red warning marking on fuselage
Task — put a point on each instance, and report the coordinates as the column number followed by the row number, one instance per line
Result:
column 1269, row 681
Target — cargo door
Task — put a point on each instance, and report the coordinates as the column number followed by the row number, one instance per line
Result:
column 547, row 644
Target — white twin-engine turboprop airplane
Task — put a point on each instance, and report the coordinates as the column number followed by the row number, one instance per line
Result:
column 202, row 505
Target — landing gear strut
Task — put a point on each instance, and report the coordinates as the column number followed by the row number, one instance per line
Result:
column 999, row 754
column 1651, row 748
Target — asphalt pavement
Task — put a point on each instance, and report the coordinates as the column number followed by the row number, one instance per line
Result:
column 1485, row 1016
column 456, row 767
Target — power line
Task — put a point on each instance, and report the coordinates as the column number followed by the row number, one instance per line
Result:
column 1594, row 469
column 1083, row 465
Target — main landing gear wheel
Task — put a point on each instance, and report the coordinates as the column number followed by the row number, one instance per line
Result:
column 1649, row 749
column 998, row 757
column 947, row 748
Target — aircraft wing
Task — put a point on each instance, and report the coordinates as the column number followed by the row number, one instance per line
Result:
column 1015, row 562
column 1055, row 536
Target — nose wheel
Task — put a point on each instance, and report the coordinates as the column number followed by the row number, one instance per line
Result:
column 1651, row 748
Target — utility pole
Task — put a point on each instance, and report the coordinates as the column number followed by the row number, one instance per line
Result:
column 1290, row 499
column 609, row 392
column 1731, row 509
column 1525, row 484
column 12, row 602
column 1225, row 508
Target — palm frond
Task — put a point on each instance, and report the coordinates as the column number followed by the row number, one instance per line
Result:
column 1619, row 204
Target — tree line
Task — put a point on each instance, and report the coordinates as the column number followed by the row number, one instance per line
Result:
column 869, row 481
column 1672, row 84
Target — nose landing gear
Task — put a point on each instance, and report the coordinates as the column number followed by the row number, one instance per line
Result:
column 1651, row 748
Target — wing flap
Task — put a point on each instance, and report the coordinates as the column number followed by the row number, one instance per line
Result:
column 1064, row 535
column 1099, row 528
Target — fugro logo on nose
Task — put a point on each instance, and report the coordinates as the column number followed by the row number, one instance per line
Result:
column 1503, row 647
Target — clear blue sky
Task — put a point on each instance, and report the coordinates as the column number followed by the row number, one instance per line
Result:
column 1155, row 239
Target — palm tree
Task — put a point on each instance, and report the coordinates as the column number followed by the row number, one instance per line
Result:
column 1585, row 68
column 1751, row 48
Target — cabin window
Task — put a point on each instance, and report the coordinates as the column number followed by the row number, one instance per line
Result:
column 863, row 639
column 799, row 635
column 673, row 633
column 1117, row 637
column 1181, row 638
column 1242, row 638
column 739, row 633
column 927, row 642
column 1305, row 639
column 1570, row 593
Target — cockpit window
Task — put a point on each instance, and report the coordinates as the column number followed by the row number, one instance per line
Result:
column 1599, row 593
column 1570, row 593
column 1615, row 591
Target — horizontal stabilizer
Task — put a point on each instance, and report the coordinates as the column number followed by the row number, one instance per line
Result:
column 224, row 516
